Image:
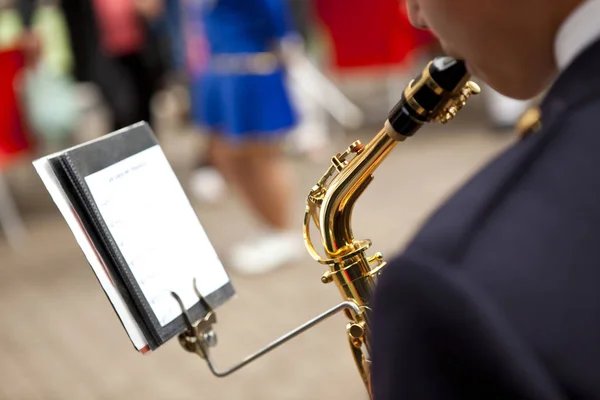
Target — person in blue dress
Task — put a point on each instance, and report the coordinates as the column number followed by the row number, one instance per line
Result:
column 240, row 99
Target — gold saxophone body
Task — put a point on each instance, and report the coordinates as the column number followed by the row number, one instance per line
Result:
column 436, row 95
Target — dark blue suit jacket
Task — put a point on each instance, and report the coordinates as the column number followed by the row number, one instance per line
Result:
column 498, row 296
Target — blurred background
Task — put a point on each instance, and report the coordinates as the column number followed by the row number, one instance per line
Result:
column 321, row 74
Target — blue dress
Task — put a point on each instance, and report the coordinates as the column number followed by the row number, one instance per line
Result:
column 242, row 93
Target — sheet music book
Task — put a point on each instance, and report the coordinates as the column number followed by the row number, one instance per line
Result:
column 138, row 231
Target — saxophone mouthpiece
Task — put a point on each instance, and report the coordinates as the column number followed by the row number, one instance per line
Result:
column 437, row 94
column 448, row 72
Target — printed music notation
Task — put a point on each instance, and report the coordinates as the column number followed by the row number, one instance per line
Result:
column 157, row 231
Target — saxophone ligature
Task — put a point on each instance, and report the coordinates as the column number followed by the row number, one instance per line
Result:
column 436, row 95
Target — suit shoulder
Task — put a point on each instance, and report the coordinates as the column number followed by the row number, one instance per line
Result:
column 548, row 166
column 420, row 281
column 582, row 116
column 426, row 314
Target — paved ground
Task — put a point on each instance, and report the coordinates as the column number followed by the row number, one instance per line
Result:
column 61, row 340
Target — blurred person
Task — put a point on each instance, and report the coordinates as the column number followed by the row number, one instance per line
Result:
column 169, row 22
column 20, row 49
column 240, row 99
column 126, row 37
column 16, row 140
column 497, row 296
column 114, row 48
column 17, row 53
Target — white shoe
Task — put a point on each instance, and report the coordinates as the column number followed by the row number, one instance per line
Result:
column 267, row 253
column 207, row 185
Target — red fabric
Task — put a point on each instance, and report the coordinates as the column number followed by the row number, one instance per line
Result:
column 424, row 38
column 369, row 33
column 120, row 29
column 14, row 138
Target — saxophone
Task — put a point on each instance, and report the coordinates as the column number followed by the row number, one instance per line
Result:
column 436, row 95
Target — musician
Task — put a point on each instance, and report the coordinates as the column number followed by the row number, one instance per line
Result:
column 498, row 296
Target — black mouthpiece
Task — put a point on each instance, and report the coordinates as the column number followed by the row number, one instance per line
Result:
column 427, row 93
column 448, row 72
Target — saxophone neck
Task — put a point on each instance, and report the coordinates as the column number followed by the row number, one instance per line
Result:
column 347, row 186
column 437, row 94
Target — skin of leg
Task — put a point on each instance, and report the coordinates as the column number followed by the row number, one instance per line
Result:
column 259, row 172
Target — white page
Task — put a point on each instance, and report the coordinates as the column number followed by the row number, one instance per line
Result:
column 63, row 204
column 157, row 231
